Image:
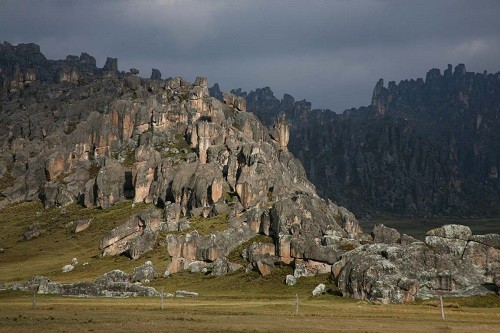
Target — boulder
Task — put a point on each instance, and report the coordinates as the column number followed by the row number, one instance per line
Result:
column 113, row 277
column 265, row 266
column 319, row 290
column 145, row 272
column 492, row 240
column 82, row 225
column 290, row 280
column 446, row 245
column 392, row 273
column 310, row 268
column 68, row 268
column 135, row 237
column 185, row 294
column 197, row 267
column 383, row 234
column 33, row 232
column 142, row 244
column 451, row 231
column 223, row 266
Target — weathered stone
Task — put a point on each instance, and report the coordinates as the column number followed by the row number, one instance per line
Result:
column 142, row 243
column 397, row 273
column 265, row 266
column 176, row 265
column 319, row 290
column 136, row 236
column 408, row 240
column 110, row 183
column 185, row 294
column 196, row 266
column 446, row 245
column 383, row 234
column 33, row 232
column 492, row 240
column 452, row 231
column 310, row 268
column 68, row 268
column 290, row 280
column 147, row 271
column 82, row 225
column 112, row 284
column 485, row 258
column 223, row 266
column 111, row 65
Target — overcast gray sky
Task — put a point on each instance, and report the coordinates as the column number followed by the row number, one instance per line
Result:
column 330, row 52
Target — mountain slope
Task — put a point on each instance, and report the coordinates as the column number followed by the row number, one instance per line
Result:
column 422, row 148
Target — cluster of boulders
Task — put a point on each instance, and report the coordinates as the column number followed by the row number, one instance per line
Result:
column 451, row 261
column 112, row 284
column 115, row 283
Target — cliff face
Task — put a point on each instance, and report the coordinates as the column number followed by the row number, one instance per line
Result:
column 422, row 148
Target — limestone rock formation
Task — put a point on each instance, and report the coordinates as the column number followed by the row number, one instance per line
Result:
column 422, row 148
column 449, row 262
column 112, row 284
column 212, row 177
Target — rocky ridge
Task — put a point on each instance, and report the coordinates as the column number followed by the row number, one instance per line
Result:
column 114, row 136
column 423, row 148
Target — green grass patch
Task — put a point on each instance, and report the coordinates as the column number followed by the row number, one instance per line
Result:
column 207, row 226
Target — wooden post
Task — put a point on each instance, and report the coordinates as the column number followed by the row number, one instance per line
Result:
column 33, row 304
column 161, row 298
column 442, row 307
column 296, row 304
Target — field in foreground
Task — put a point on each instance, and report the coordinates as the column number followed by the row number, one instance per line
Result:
column 238, row 302
column 212, row 314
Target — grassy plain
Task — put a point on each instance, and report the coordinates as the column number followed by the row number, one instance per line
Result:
column 234, row 314
column 238, row 302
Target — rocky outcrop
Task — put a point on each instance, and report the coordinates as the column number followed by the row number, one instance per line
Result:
column 98, row 136
column 112, row 284
column 449, row 262
column 134, row 237
column 423, row 147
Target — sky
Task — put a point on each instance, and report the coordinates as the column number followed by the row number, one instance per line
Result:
column 330, row 52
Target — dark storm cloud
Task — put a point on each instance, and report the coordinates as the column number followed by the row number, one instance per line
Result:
column 329, row 52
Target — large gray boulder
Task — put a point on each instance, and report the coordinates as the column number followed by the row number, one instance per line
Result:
column 145, row 272
column 383, row 234
column 135, row 237
column 445, row 264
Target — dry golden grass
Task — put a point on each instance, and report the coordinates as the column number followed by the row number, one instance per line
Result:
column 47, row 254
column 213, row 314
